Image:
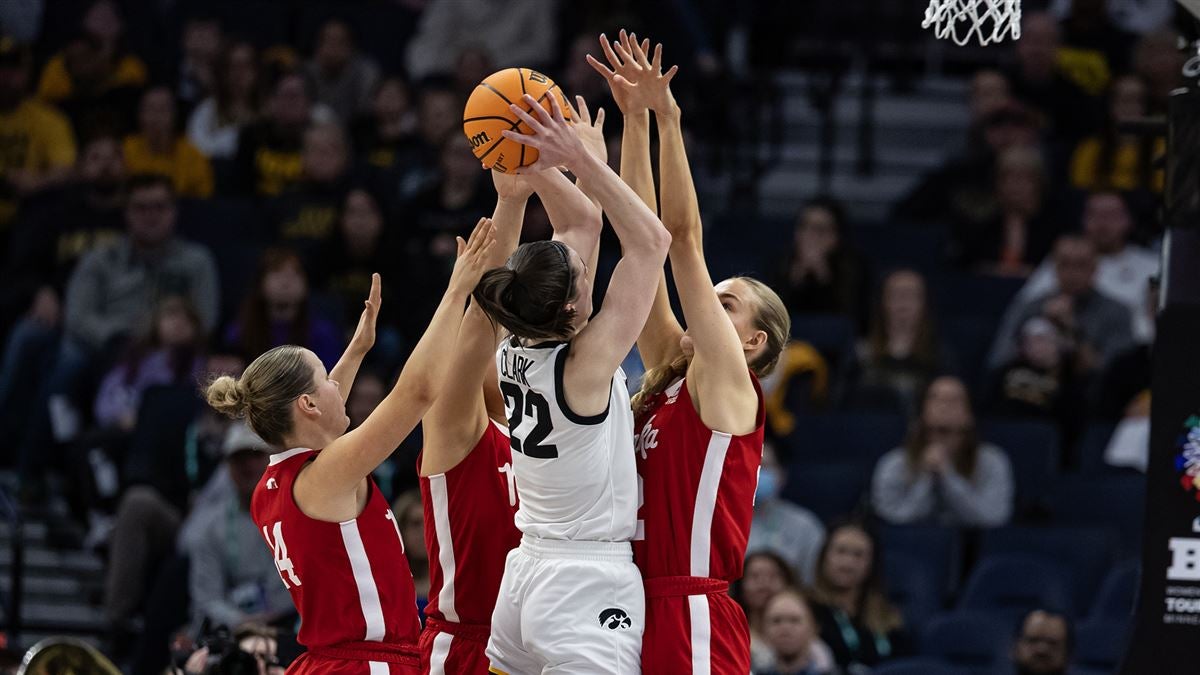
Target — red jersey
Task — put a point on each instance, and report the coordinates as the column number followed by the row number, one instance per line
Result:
column 697, row 488
column 350, row 581
column 469, row 530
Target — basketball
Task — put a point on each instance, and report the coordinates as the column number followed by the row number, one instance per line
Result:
column 487, row 114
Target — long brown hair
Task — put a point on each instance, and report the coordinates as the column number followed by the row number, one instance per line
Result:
column 925, row 347
column 530, row 294
column 222, row 85
column 964, row 457
column 254, row 320
column 770, row 316
column 874, row 609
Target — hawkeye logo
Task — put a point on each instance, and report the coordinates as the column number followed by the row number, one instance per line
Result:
column 615, row 619
column 479, row 139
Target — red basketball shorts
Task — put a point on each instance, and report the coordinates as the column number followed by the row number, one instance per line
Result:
column 693, row 626
column 450, row 648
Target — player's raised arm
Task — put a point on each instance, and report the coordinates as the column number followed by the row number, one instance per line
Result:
column 576, row 218
column 314, row 415
column 658, row 343
column 601, row 346
column 459, row 416
column 726, row 396
column 346, row 368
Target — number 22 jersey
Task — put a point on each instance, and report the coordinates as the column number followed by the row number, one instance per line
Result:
column 576, row 475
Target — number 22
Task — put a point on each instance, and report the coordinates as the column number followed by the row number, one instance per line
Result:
column 535, row 405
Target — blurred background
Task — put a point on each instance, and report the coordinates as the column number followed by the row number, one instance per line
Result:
column 966, row 237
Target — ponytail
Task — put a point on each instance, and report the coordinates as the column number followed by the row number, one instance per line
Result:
column 529, row 296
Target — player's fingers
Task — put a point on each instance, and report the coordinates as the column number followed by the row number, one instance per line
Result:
column 376, row 289
column 462, row 246
column 530, row 140
column 656, row 64
column 670, row 74
column 556, row 111
column 606, row 46
column 623, row 38
column 599, row 119
column 580, row 110
column 630, row 62
column 534, row 124
column 543, row 117
column 604, row 70
column 640, row 49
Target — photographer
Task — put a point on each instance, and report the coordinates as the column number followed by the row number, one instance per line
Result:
column 249, row 651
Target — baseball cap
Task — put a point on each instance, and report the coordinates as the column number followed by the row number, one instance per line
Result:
column 239, row 438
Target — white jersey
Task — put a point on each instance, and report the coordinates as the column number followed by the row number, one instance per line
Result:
column 576, row 476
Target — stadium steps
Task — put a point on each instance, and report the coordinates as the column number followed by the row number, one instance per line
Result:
column 61, row 588
column 914, row 132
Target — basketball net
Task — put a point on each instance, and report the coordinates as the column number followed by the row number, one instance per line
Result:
column 987, row 20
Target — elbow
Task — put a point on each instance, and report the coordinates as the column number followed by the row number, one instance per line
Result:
column 660, row 242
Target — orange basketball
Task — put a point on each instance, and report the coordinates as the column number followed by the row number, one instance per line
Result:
column 487, row 115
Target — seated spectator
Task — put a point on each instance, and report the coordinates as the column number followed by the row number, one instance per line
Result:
column 202, row 46
column 822, row 273
column 278, row 311
column 763, row 575
column 342, row 78
column 792, row 634
column 1020, row 232
column 159, row 148
column 781, row 527
column 1114, row 160
column 232, row 578
column 472, row 66
column 410, row 518
column 1123, row 390
column 1159, row 61
column 446, row 208
column 901, row 353
column 360, row 248
column 512, row 32
column 305, row 216
column 1038, row 80
column 944, row 474
column 379, row 136
column 1097, row 326
column 1039, row 381
column 56, row 229
column 170, row 354
column 112, row 291
column 1121, row 268
column 234, row 103
column 95, row 78
column 110, row 296
column 848, row 601
column 1094, row 48
column 269, row 151
column 41, row 140
column 963, row 189
column 1044, row 644
column 417, row 161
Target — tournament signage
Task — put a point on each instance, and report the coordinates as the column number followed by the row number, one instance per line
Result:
column 1168, row 610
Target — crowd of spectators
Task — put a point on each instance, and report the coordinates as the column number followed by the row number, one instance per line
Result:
column 182, row 191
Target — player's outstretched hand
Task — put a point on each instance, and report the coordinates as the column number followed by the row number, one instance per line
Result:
column 637, row 82
column 364, row 334
column 511, row 186
column 472, row 258
column 556, row 143
column 590, row 131
column 653, row 84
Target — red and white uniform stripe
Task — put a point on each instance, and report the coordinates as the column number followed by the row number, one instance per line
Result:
column 697, row 502
column 469, row 531
column 349, row 581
